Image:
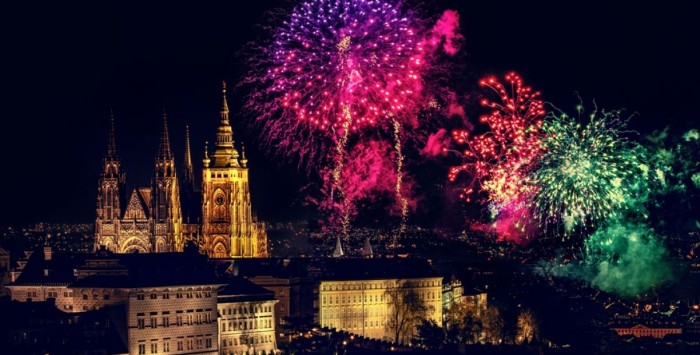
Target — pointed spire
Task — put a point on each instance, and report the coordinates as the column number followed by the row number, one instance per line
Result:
column 244, row 161
column 206, row 159
column 189, row 173
column 367, row 251
column 338, row 252
column 112, row 144
column 224, row 106
column 225, row 154
column 164, row 151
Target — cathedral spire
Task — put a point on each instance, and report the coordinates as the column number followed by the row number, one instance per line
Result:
column 224, row 106
column 225, row 154
column 244, row 161
column 206, row 159
column 112, row 144
column 164, row 152
column 189, row 173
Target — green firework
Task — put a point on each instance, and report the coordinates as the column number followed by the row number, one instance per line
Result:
column 584, row 174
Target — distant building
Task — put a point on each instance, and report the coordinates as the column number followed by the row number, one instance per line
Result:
column 361, row 296
column 171, row 301
column 247, row 318
column 163, row 217
column 287, row 279
column 349, row 294
column 640, row 330
column 475, row 298
column 452, row 293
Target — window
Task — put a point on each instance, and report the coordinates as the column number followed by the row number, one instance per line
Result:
column 154, row 322
column 142, row 349
column 166, row 321
column 154, row 348
column 84, row 297
column 105, row 297
column 154, row 296
column 208, row 343
column 166, row 345
column 166, row 296
column 139, row 296
column 141, row 323
column 180, row 347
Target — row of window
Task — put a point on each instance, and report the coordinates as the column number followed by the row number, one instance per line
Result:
column 225, row 175
column 180, row 344
column 354, row 324
column 247, row 325
column 179, row 294
column 246, row 340
column 189, row 317
column 341, row 299
column 245, row 310
column 372, row 286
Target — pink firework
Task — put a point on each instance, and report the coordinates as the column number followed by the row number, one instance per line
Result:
column 336, row 66
column 500, row 159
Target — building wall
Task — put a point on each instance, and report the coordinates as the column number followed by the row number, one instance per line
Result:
column 247, row 327
column 642, row 331
column 281, row 287
column 86, row 299
column 173, row 320
column 363, row 307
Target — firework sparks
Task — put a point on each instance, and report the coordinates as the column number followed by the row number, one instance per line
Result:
column 500, row 160
column 584, row 174
column 335, row 67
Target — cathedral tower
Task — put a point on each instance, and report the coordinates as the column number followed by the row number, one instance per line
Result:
column 109, row 190
column 228, row 227
column 166, row 210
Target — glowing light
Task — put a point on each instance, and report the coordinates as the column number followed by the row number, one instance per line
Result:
column 500, row 160
column 585, row 172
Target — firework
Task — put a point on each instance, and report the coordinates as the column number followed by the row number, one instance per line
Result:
column 500, row 160
column 585, row 174
column 332, row 68
column 335, row 67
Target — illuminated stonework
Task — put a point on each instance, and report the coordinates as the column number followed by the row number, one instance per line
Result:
column 364, row 307
column 166, row 215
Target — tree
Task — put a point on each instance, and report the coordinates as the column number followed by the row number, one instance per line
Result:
column 527, row 328
column 406, row 309
column 430, row 335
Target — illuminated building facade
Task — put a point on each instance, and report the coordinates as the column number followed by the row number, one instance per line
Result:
column 247, row 318
column 365, row 296
column 364, row 307
column 165, row 216
column 169, row 302
column 639, row 331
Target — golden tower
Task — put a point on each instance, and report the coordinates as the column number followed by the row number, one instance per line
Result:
column 166, row 208
column 228, row 226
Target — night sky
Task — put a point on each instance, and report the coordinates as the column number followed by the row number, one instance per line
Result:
column 66, row 66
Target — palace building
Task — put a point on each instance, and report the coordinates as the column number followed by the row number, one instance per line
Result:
column 173, row 211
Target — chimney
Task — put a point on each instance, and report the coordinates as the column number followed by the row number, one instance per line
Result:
column 47, row 253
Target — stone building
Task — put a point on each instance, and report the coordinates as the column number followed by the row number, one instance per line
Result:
column 247, row 318
column 170, row 301
column 172, row 211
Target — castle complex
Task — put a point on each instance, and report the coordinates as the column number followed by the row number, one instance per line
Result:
column 172, row 211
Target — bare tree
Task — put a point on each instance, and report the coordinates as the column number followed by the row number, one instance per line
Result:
column 406, row 309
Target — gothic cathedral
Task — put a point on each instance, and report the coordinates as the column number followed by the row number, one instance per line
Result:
column 172, row 212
